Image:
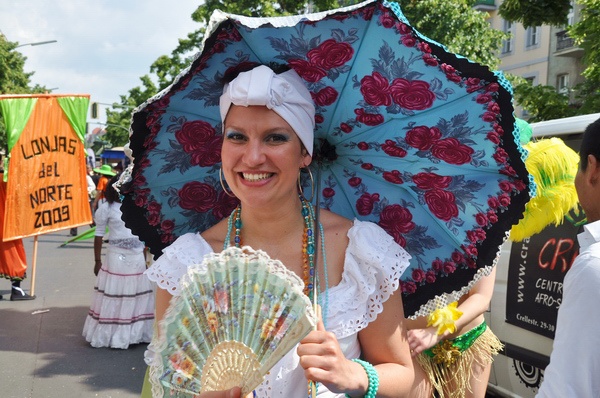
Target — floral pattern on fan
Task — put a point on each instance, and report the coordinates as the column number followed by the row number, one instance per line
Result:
column 238, row 313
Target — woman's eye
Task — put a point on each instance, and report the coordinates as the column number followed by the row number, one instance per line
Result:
column 278, row 138
column 234, row 136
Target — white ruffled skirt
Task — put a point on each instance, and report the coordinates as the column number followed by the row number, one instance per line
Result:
column 122, row 310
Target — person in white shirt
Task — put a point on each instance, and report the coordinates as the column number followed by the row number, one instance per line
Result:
column 122, row 308
column 574, row 367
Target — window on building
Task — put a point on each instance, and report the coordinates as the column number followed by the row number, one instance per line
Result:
column 533, row 36
column 562, row 83
column 507, row 45
column 571, row 14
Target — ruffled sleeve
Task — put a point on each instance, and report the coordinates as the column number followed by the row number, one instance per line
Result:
column 373, row 265
column 167, row 271
column 101, row 219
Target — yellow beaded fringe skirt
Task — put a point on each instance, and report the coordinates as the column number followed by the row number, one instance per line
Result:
column 449, row 364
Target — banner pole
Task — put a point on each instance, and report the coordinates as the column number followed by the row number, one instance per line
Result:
column 33, row 264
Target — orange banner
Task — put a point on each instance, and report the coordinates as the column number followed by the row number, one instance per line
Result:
column 47, row 189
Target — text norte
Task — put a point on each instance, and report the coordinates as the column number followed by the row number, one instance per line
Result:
column 55, row 143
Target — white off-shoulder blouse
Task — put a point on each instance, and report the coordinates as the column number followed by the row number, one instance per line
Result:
column 372, row 268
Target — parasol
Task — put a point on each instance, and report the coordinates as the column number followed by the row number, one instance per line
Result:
column 408, row 135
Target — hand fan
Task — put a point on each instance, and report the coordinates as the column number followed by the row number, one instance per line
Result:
column 238, row 314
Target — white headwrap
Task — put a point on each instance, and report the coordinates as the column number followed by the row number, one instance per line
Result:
column 284, row 93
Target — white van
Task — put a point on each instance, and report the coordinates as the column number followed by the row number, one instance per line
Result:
column 528, row 288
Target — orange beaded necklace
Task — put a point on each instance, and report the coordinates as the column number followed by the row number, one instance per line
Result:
column 308, row 242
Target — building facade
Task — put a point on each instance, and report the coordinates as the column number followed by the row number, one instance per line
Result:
column 544, row 55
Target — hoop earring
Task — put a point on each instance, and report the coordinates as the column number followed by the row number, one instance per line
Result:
column 231, row 195
column 312, row 184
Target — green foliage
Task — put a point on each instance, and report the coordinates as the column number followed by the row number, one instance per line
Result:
column 586, row 34
column 457, row 25
column 587, row 97
column 543, row 102
column 119, row 117
column 536, row 12
column 452, row 22
column 13, row 78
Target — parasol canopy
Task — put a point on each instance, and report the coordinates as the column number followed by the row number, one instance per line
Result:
column 408, row 135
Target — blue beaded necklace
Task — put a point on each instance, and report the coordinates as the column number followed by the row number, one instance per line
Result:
column 234, row 223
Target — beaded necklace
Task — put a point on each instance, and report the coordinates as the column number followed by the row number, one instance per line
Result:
column 234, row 223
column 308, row 242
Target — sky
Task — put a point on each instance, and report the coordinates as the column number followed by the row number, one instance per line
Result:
column 102, row 47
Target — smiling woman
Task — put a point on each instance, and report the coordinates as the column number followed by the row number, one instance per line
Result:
column 268, row 122
column 378, row 153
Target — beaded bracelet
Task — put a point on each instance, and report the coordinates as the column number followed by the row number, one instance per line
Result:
column 372, row 376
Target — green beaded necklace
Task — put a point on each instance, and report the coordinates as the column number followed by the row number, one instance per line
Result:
column 308, row 241
column 308, row 253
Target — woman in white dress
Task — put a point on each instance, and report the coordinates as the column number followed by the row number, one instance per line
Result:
column 122, row 310
column 360, row 347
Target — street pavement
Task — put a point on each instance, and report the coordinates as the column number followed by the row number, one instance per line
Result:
column 43, row 354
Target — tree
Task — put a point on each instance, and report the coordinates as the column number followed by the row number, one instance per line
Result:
column 119, row 117
column 452, row 22
column 457, row 25
column 586, row 34
column 543, row 102
column 13, row 78
column 536, row 12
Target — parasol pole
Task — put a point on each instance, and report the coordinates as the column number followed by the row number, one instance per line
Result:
column 315, row 279
column 317, row 233
column 33, row 264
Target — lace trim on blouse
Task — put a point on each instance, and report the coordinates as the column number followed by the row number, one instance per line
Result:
column 373, row 264
column 372, row 268
column 188, row 249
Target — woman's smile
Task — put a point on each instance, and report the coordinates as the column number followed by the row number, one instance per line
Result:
column 255, row 177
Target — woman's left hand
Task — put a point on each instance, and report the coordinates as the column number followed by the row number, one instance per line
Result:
column 97, row 267
column 323, row 361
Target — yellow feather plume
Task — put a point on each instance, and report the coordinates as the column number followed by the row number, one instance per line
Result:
column 553, row 166
column 444, row 318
